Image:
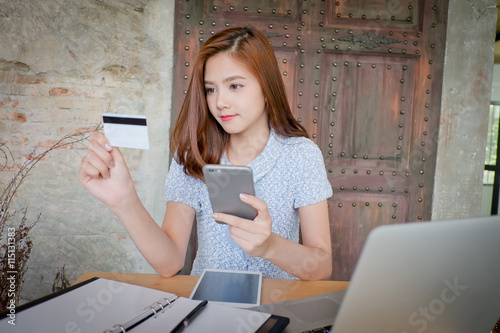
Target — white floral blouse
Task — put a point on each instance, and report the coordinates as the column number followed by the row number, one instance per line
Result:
column 288, row 174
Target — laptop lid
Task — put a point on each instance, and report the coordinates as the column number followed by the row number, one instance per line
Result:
column 426, row 277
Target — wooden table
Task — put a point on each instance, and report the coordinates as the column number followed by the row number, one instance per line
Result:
column 273, row 290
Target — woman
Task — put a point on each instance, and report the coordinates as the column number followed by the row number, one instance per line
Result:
column 235, row 112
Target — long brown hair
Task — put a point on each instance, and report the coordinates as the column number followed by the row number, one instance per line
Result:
column 197, row 138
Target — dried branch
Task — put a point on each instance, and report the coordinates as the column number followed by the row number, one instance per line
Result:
column 61, row 281
column 15, row 243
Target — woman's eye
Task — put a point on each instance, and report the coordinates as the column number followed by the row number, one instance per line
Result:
column 235, row 86
column 209, row 90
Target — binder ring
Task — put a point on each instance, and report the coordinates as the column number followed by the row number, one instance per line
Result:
column 154, row 310
column 121, row 328
column 160, row 303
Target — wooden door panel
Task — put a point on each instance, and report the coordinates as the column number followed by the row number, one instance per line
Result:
column 364, row 78
column 354, row 215
column 373, row 13
column 368, row 103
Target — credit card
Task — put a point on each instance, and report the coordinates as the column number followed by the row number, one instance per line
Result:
column 127, row 131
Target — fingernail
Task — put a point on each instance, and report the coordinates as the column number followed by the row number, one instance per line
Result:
column 112, row 164
column 108, row 146
column 243, row 196
column 214, row 216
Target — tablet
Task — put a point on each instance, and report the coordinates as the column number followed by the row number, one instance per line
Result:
column 233, row 288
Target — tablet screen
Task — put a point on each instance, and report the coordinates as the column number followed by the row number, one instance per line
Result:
column 234, row 288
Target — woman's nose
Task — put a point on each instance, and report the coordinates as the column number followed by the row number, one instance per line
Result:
column 222, row 100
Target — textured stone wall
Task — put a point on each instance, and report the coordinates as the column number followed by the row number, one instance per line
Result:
column 62, row 64
column 467, row 85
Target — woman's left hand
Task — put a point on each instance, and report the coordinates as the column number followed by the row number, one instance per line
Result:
column 254, row 237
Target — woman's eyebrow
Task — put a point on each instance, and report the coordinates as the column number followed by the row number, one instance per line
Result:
column 231, row 78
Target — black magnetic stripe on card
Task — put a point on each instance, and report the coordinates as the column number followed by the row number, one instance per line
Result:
column 124, row 120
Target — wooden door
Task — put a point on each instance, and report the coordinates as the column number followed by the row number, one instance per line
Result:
column 364, row 77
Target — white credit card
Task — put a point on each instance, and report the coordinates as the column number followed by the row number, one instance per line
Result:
column 127, row 131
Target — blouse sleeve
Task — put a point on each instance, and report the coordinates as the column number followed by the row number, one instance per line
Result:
column 180, row 187
column 312, row 184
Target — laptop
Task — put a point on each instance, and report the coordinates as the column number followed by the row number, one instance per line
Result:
column 425, row 277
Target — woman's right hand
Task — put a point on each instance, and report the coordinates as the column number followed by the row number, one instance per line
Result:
column 105, row 174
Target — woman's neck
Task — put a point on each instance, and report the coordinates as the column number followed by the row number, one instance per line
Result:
column 244, row 148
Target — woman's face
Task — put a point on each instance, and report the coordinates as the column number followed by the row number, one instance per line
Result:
column 234, row 96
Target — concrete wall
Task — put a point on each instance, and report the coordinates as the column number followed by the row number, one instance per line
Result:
column 467, row 83
column 62, row 64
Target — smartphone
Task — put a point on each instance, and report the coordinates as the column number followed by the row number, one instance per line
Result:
column 225, row 183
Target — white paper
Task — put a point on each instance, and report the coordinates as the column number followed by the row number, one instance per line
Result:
column 94, row 307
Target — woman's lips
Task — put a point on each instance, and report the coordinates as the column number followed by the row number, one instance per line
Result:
column 227, row 118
